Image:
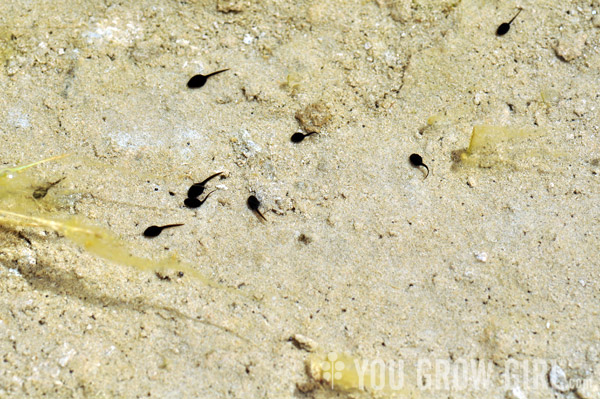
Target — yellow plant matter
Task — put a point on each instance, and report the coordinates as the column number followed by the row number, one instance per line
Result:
column 18, row 208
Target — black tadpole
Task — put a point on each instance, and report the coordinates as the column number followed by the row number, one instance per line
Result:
column 195, row 202
column 197, row 189
column 254, row 204
column 41, row 192
column 197, row 81
column 505, row 26
column 298, row 137
column 416, row 160
column 154, row 231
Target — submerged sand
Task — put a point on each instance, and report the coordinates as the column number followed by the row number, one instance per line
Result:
column 492, row 257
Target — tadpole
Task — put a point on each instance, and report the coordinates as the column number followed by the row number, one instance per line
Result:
column 154, row 231
column 197, row 189
column 299, row 136
column 505, row 26
column 416, row 160
column 254, row 204
column 197, row 81
column 192, row 202
column 41, row 192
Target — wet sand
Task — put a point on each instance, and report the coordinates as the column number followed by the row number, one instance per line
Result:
column 493, row 256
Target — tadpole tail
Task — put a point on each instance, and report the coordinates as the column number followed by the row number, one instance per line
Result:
column 216, row 72
column 205, row 198
column 210, row 177
column 41, row 192
column 261, row 215
column 172, row 225
column 513, row 18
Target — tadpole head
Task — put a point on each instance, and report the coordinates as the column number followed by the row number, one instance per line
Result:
column 503, row 29
column 297, row 137
column 152, row 231
column 415, row 160
column 192, row 202
column 195, row 190
column 253, row 203
column 197, row 81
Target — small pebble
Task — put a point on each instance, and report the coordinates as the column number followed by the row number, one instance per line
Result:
column 558, row 379
column 251, row 91
column 64, row 360
column 588, row 389
column 515, row 393
column 303, row 238
column 248, row 38
column 481, row 256
column 227, row 6
column 313, row 118
column 304, row 343
column 570, row 47
column 580, row 108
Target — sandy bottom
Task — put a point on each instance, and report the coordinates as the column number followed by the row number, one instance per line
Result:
column 363, row 264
